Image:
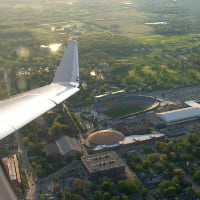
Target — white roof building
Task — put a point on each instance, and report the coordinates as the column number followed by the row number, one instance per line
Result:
column 181, row 115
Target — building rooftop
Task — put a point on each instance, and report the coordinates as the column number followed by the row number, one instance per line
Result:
column 11, row 164
column 102, row 161
column 66, row 144
column 179, row 114
column 105, row 137
column 141, row 138
column 131, row 140
column 192, row 104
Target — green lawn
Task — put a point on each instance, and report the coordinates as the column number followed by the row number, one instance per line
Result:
column 124, row 110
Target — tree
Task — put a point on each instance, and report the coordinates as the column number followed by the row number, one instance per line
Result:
column 196, row 151
column 196, row 175
column 39, row 170
column 25, row 140
column 97, row 195
column 172, row 156
column 190, row 193
column 59, row 118
column 115, row 198
column 180, row 173
column 35, row 148
column 92, row 187
column 106, row 186
column 124, row 197
column 144, row 192
column 68, row 193
column 77, row 197
column 79, row 184
column 146, row 164
column 169, row 188
column 170, row 191
column 58, row 129
column 193, row 139
column 159, row 166
column 106, row 196
column 42, row 197
column 129, row 186
column 153, row 157
column 59, row 195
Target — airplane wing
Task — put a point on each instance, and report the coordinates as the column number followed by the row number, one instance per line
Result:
column 21, row 109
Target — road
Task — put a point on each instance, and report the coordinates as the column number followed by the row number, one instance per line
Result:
column 6, row 82
column 44, row 183
column 30, row 173
column 73, row 165
column 180, row 94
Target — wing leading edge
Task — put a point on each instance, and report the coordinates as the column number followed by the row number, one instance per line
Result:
column 21, row 109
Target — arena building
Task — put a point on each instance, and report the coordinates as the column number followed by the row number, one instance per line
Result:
column 111, row 139
column 106, row 137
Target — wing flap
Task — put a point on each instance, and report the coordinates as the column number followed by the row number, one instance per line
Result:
column 22, row 109
column 64, row 95
column 17, row 118
column 22, row 118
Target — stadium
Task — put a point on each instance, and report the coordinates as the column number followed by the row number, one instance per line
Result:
column 129, row 104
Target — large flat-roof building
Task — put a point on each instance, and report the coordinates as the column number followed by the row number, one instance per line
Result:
column 11, row 165
column 103, row 164
column 181, row 115
column 68, row 146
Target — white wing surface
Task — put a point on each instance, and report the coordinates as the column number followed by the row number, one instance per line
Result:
column 21, row 109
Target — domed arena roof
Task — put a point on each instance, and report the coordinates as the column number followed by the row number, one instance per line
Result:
column 105, row 137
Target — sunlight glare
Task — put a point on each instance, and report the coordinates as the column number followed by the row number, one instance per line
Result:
column 54, row 47
column 93, row 73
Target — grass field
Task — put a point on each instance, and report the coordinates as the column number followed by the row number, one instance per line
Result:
column 124, row 110
column 127, row 20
